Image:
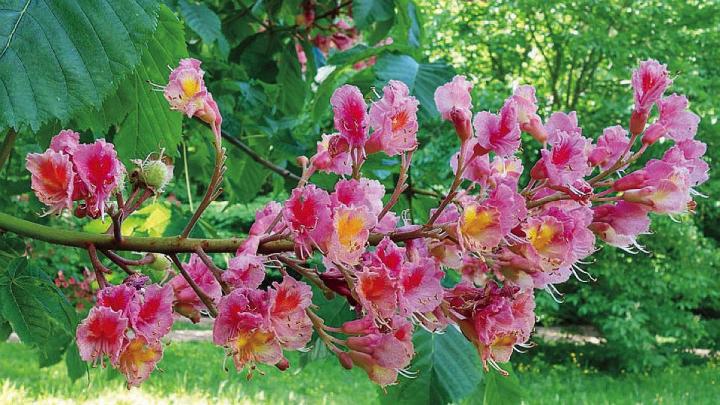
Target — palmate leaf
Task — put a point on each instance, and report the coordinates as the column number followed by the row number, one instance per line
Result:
column 447, row 366
column 144, row 121
column 36, row 309
column 62, row 56
column 502, row 390
column 201, row 19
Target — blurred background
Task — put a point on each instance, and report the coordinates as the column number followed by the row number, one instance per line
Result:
column 647, row 330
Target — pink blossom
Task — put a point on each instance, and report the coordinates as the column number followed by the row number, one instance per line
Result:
column 65, row 141
column 122, row 298
column 675, row 121
column 665, row 188
column 288, row 302
column 420, row 288
column 351, row 228
column 478, row 168
column 498, row 133
column 187, row 303
column 394, row 119
column 649, row 82
column 186, row 92
column 560, row 122
column 566, row 162
column 265, row 217
column 505, row 171
column 484, row 225
column 383, row 353
column 350, row 114
column 610, row 146
column 52, row 179
column 359, row 193
column 332, row 155
column 454, row 103
column 101, row 172
column 307, row 214
column 138, row 359
column 101, row 334
column 389, row 255
column 688, row 154
column 377, row 292
column 530, row 122
column 387, row 224
column 154, row 319
column 246, row 270
column 620, row 224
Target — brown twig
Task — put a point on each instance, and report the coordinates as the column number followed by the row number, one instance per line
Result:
column 215, row 270
column 198, row 291
column 309, row 274
column 259, row 159
column 99, row 268
column 118, row 260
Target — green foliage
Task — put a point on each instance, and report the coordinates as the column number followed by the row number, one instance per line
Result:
column 503, row 390
column 59, row 57
column 447, row 366
column 37, row 311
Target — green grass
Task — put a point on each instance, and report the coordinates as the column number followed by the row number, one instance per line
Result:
column 193, row 373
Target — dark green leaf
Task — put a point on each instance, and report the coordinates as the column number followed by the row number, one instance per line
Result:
column 421, row 78
column 294, row 88
column 447, row 366
column 150, row 124
column 38, row 312
column 5, row 329
column 502, row 390
column 60, row 57
column 76, row 367
column 366, row 12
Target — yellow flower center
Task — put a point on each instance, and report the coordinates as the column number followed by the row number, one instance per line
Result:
column 348, row 228
column 541, row 236
column 190, row 86
column 476, row 220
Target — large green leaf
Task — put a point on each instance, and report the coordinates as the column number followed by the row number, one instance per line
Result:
column 366, row 12
column 5, row 329
column 201, row 19
column 38, row 312
column 59, row 57
column 151, row 125
column 292, row 97
column 76, row 367
column 447, row 366
column 421, row 78
column 502, row 390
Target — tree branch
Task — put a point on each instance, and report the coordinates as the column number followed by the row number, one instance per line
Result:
column 259, row 159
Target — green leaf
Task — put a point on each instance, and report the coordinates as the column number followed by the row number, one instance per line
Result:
column 447, row 366
column 421, row 78
column 294, row 88
column 60, row 57
column 76, row 367
column 244, row 176
column 502, row 390
column 366, row 12
column 201, row 19
column 38, row 312
column 5, row 329
column 151, row 125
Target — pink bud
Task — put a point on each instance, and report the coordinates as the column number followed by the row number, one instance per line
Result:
column 631, row 181
column 345, row 360
column 535, row 128
column 638, row 121
column 653, row 133
column 283, row 364
column 461, row 120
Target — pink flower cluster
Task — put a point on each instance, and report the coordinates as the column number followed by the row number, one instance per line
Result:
column 69, row 171
column 126, row 326
column 500, row 239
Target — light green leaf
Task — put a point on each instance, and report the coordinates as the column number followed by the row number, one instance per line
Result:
column 201, row 19
column 502, row 390
column 60, row 57
column 447, row 366
column 421, row 78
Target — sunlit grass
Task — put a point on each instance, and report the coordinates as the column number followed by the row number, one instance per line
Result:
column 193, row 374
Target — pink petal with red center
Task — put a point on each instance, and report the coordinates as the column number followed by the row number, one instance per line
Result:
column 332, row 155
column 394, row 118
column 499, row 133
column 239, row 312
column 307, row 213
column 359, row 193
column 155, row 317
column 288, row 302
column 567, row 160
column 377, row 292
column 101, row 334
column 245, row 270
column 350, row 114
column 421, row 290
column 122, row 298
column 561, row 122
column 101, row 172
column 52, row 179
column 649, row 82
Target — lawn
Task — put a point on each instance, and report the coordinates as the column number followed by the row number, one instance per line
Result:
column 193, row 373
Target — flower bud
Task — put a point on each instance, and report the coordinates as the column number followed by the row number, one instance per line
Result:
column 638, row 121
column 283, row 364
column 160, row 262
column 535, row 128
column 156, row 174
column 631, row 181
column 653, row 133
column 463, row 126
column 345, row 360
